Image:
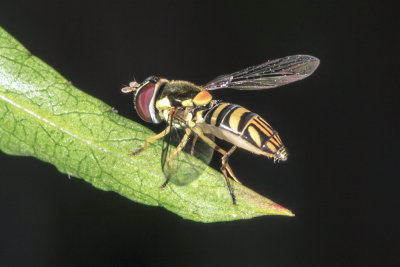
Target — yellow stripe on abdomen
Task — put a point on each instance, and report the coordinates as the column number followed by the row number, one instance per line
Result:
column 235, row 117
column 215, row 114
column 255, row 136
column 247, row 126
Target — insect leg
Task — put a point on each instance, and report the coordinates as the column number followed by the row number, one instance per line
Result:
column 225, row 165
column 153, row 138
column 178, row 149
column 229, row 186
column 193, row 144
column 228, row 167
column 208, row 141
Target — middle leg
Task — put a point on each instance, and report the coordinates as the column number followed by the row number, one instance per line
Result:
column 178, row 149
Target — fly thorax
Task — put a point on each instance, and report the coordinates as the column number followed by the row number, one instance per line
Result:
column 164, row 114
column 189, row 117
column 198, row 116
column 202, row 99
column 178, row 125
column 163, row 104
column 190, row 121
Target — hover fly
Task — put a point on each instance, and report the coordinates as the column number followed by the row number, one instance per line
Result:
column 194, row 118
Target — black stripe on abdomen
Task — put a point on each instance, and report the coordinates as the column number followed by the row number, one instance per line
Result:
column 225, row 113
column 209, row 114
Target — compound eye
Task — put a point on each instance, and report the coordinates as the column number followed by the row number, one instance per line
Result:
column 143, row 101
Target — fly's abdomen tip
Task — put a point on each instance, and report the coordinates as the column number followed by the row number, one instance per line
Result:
column 282, row 154
column 275, row 149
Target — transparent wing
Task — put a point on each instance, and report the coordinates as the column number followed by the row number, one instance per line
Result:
column 267, row 75
column 182, row 168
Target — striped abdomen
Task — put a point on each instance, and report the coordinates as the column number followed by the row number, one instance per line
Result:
column 245, row 129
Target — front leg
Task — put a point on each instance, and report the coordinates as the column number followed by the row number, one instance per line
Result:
column 151, row 139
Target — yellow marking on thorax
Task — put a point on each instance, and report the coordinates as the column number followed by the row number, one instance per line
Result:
column 163, row 103
column 202, row 98
column 187, row 103
column 199, row 115
column 235, row 117
column 254, row 135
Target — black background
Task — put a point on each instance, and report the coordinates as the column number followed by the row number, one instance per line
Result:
column 338, row 125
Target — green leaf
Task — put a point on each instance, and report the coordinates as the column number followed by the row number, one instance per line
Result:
column 43, row 115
